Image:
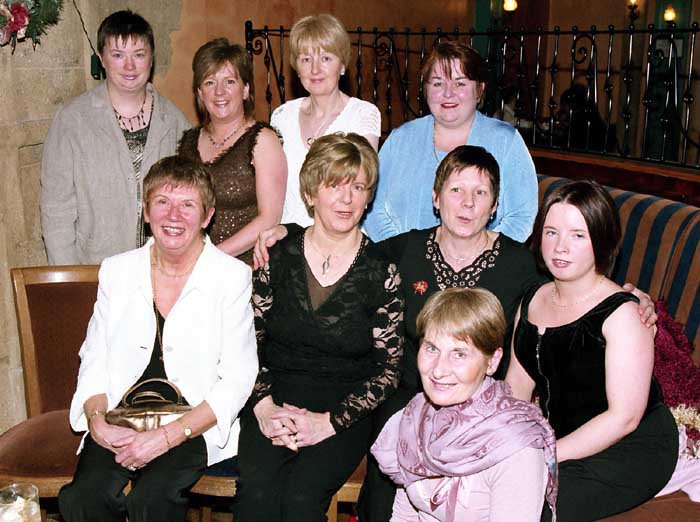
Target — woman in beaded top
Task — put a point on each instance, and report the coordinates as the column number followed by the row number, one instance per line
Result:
column 244, row 157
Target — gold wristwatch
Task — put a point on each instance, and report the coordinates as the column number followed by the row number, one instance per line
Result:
column 186, row 428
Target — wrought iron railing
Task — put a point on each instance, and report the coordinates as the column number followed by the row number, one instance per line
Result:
column 626, row 92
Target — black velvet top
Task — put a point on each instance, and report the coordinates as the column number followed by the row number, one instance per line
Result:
column 567, row 363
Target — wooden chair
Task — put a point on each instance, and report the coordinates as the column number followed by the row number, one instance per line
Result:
column 349, row 492
column 53, row 305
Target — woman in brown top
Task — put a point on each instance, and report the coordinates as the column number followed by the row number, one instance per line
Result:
column 244, row 157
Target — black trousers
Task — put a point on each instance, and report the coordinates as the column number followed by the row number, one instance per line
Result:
column 280, row 485
column 622, row 477
column 378, row 491
column 158, row 491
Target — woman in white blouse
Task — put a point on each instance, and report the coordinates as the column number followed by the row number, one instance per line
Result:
column 320, row 54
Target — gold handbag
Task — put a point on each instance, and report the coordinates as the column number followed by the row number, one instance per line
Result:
column 144, row 409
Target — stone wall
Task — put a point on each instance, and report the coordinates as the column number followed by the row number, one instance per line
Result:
column 33, row 84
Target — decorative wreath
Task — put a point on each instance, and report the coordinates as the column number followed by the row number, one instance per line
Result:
column 22, row 19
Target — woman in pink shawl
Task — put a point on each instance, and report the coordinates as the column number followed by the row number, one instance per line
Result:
column 466, row 449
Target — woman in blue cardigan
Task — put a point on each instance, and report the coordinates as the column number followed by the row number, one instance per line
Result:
column 454, row 76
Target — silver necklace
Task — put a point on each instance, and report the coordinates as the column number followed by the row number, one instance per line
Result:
column 223, row 142
column 435, row 144
column 463, row 259
column 325, row 121
column 583, row 299
column 326, row 264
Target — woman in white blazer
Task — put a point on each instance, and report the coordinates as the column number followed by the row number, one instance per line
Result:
column 177, row 308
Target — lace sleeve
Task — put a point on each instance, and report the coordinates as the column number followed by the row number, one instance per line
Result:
column 388, row 334
column 262, row 302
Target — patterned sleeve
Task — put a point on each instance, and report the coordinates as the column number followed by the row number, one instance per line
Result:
column 262, row 302
column 369, row 120
column 388, row 334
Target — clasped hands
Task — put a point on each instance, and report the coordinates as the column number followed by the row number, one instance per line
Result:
column 132, row 449
column 291, row 426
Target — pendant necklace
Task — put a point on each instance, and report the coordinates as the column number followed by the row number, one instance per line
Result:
column 325, row 121
column 326, row 264
column 127, row 122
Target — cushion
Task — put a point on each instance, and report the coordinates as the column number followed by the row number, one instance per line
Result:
column 674, row 369
column 42, row 446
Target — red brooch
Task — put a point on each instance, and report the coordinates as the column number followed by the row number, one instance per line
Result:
column 420, row 287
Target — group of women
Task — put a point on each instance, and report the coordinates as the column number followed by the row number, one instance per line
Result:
column 395, row 343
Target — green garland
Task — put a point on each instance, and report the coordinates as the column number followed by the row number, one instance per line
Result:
column 35, row 17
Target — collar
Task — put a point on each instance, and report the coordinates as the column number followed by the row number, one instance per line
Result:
column 198, row 281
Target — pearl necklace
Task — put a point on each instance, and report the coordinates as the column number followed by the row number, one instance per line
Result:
column 223, row 142
column 580, row 300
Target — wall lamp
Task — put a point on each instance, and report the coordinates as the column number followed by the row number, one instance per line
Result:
column 510, row 5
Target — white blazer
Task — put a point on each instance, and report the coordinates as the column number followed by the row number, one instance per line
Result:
column 209, row 347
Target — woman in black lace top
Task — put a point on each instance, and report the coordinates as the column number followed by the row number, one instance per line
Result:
column 329, row 320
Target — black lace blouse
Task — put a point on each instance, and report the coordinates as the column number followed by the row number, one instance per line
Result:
column 354, row 336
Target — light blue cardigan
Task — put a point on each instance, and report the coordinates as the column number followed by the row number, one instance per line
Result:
column 407, row 166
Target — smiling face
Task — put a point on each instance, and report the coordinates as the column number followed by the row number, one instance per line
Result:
column 452, row 370
column 319, row 71
column 338, row 208
column 466, row 202
column 177, row 217
column 222, row 94
column 127, row 63
column 566, row 245
column 452, row 97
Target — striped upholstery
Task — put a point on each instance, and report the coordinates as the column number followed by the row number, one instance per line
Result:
column 660, row 251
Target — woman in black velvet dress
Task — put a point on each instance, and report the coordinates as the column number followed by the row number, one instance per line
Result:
column 329, row 319
column 579, row 344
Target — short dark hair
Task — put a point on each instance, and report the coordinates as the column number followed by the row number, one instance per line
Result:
column 472, row 64
column 211, row 57
column 598, row 210
column 466, row 156
column 179, row 171
column 123, row 25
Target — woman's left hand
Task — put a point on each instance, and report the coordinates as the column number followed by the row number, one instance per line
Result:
column 143, row 448
column 312, row 427
column 647, row 312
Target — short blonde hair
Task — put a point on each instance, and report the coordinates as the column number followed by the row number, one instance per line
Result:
column 337, row 158
column 321, row 31
column 472, row 315
column 177, row 171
